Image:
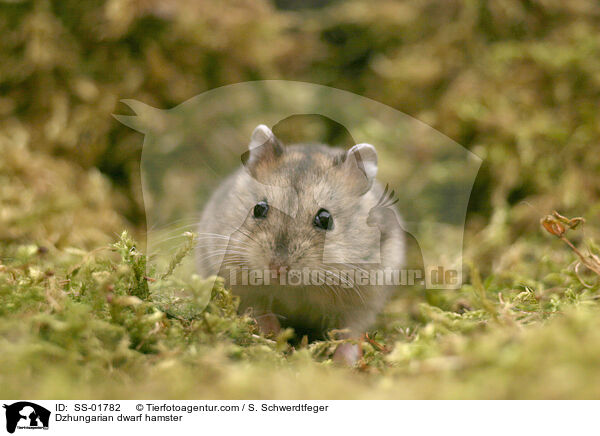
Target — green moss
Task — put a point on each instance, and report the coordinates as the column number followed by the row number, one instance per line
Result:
column 87, row 331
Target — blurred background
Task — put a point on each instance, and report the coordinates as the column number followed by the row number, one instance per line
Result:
column 516, row 82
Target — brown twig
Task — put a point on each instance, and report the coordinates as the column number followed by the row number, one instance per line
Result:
column 376, row 344
column 557, row 224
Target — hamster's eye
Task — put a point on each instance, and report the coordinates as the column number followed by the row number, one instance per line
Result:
column 261, row 209
column 323, row 220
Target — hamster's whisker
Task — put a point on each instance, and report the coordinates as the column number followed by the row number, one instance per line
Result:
column 339, row 276
column 358, row 291
column 212, row 238
column 174, row 231
column 236, row 264
column 225, row 263
column 327, row 285
column 219, row 244
column 225, row 251
column 162, row 240
column 224, row 241
column 193, row 223
column 221, row 239
column 224, row 248
column 222, row 252
column 354, row 266
column 212, row 234
column 239, row 255
column 352, row 285
column 248, row 236
column 245, row 243
column 336, row 295
column 218, row 237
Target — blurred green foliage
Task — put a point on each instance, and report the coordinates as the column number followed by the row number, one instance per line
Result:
column 517, row 82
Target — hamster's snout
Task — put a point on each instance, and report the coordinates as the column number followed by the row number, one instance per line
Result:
column 280, row 257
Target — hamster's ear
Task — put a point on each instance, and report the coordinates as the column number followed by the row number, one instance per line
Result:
column 361, row 162
column 264, row 147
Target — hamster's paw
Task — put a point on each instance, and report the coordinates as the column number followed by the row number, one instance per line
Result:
column 347, row 354
column 268, row 324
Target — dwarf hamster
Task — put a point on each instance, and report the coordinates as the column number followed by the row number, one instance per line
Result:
column 302, row 207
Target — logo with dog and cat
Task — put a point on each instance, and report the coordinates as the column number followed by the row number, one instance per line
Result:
column 24, row 415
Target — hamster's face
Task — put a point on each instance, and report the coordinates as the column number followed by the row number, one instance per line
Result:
column 306, row 196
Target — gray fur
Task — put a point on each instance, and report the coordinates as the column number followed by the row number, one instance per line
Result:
column 297, row 183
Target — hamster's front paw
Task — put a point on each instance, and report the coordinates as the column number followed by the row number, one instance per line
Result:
column 268, row 324
column 347, row 354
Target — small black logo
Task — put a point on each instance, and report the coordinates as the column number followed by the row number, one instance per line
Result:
column 26, row 415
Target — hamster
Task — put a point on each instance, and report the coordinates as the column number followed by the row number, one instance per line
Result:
column 307, row 208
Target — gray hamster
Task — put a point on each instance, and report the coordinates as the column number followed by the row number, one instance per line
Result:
column 303, row 209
